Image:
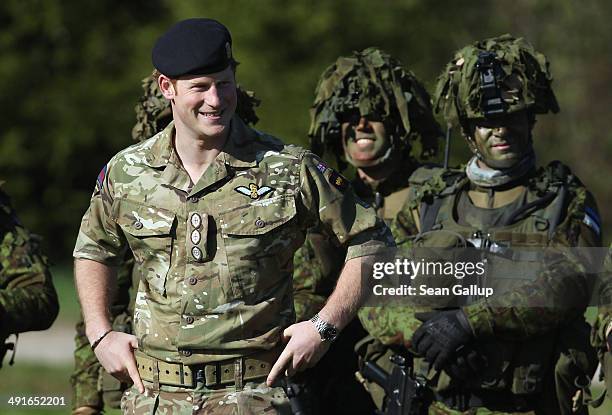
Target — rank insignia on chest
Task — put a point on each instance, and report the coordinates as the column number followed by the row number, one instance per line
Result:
column 254, row 191
column 338, row 181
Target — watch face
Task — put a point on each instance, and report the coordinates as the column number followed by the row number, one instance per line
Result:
column 329, row 333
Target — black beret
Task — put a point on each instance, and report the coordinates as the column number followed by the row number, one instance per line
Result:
column 193, row 47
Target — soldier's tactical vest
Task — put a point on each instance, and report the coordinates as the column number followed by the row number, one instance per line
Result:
column 553, row 197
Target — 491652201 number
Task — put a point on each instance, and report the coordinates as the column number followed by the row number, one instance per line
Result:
column 37, row 401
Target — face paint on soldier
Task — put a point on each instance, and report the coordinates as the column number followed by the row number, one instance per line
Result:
column 202, row 104
column 501, row 142
column 364, row 140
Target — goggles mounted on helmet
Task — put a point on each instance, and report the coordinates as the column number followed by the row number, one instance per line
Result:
column 491, row 75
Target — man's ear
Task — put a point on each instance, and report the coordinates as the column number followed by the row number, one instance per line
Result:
column 469, row 139
column 166, row 86
column 467, row 131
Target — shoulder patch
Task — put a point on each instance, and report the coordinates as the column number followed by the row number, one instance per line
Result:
column 101, row 177
column 338, row 181
column 322, row 167
column 592, row 220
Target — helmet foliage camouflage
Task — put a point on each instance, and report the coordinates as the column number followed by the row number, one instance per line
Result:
column 493, row 77
column 371, row 82
column 153, row 111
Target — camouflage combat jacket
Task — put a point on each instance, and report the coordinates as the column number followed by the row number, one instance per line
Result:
column 514, row 317
column 519, row 337
column 27, row 297
column 215, row 259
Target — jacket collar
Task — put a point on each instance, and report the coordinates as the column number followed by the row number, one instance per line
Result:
column 238, row 151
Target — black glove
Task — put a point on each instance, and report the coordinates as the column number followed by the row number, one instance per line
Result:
column 441, row 336
column 466, row 365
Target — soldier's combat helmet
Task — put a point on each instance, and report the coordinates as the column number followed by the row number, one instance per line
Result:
column 494, row 77
column 153, row 111
column 372, row 83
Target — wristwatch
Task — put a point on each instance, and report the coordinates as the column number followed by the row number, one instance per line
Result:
column 327, row 331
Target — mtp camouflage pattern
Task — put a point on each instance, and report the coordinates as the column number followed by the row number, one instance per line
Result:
column 372, row 83
column 524, row 81
column 252, row 399
column 91, row 386
column 318, row 262
column 215, row 258
column 27, row 297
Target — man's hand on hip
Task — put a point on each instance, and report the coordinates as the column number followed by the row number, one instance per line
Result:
column 116, row 354
column 303, row 351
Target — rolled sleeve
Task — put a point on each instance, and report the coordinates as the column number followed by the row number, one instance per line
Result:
column 331, row 204
column 100, row 239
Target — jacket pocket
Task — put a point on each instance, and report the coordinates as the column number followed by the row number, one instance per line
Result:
column 259, row 240
column 149, row 232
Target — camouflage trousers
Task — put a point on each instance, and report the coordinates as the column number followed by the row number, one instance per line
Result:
column 254, row 398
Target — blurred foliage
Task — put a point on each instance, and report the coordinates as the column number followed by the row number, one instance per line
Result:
column 71, row 74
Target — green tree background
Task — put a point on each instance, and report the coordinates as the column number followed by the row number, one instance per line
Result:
column 70, row 73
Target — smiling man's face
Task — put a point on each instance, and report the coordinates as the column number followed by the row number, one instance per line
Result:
column 205, row 104
column 503, row 141
column 364, row 140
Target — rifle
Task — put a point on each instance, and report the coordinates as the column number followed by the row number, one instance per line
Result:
column 405, row 393
column 298, row 395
